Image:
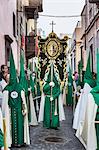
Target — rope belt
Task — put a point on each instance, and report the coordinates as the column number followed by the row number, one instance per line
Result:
column 36, row 97
column 48, row 95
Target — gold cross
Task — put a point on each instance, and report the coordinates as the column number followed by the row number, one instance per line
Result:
column 52, row 25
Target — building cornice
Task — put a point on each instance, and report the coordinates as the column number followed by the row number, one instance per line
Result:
column 92, row 23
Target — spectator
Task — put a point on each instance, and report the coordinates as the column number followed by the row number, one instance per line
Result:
column 3, row 80
column 4, row 73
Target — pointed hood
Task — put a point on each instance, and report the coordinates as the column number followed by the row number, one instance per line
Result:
column 70, row 73
column 22, row 71
column 95, row 90
column 31, row 83
column 12, row 70
column 88, row 77
column 48, row 76
column 23, row 81
column 29, row 66
column 69, row 88
column 70, row 80
column 80, row 66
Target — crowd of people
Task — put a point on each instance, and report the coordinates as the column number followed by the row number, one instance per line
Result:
column 83, row 96
column 25, row 102
column 19, row 104
column 86, row 117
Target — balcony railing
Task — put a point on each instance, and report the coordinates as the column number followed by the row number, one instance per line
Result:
column 30, row 46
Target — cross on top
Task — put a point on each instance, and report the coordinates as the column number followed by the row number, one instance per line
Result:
column 52, row 25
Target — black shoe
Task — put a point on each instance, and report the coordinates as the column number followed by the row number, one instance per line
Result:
column 16, row 145
column 55, row 128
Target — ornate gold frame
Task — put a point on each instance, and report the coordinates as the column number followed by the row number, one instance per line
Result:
column 58, row 50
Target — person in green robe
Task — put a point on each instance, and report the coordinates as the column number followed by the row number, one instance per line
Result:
column 36, row 92
column 31, row 89
column 89, row 132
column 95, row 93
column 15, row 110
column 80, row 110
column 23, row 80
column 69, row 100
column 65, row 88
column 51, row 108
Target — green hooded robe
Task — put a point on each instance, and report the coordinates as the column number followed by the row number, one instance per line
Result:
column 51, row 120
column 69, row 99
column 95, row 93
column 15, row 104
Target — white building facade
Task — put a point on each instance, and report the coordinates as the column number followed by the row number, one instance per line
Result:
column 7, row 30
column 75, row 47
column 90, row 33
column 18, row 29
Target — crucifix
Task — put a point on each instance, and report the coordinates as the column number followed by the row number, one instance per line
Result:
column 52, row 25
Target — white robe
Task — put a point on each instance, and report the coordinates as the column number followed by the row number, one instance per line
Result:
column 1, row 121
column 6, row 116
column 79, row 114
column 88, row 133
column 3, row 84
column 74, row 95
column 64, row 93
column 61, row 109
column 1, row 126
column 32, row 111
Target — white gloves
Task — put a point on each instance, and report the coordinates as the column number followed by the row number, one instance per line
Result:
column 29, row 89
column 78, row 94
column 81, row 90
column 52, row 84
column 51, row 98
column 24, row 112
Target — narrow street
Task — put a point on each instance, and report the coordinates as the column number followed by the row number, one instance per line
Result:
column 66, row 141
column 49, row 57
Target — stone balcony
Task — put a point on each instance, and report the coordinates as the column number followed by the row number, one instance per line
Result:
column 32, row 7
column 36, row 3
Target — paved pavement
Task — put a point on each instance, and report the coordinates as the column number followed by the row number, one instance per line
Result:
column 66, row 135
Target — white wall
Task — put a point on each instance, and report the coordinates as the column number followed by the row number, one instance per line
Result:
column 7, row 7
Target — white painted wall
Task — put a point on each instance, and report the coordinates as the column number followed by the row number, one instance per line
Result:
column 7, row 7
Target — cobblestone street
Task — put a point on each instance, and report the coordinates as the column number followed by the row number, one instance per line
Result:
column 67, row 140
